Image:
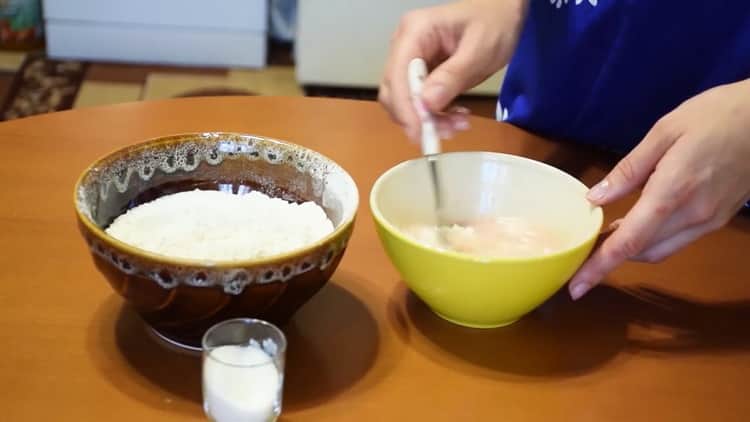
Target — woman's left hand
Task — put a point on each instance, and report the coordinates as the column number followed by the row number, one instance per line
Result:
column 695, row 163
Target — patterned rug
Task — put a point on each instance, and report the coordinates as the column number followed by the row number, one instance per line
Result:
column 42, row 85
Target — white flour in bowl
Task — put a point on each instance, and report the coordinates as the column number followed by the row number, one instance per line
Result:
column 218, row 226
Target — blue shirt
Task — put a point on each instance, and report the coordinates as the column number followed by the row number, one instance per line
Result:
column 602, row 72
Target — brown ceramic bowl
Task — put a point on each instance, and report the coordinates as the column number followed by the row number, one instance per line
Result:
column 180, row 299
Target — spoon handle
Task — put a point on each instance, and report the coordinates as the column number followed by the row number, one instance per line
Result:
column 417, row 74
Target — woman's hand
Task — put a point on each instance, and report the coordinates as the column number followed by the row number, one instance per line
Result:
column 695, row 163
column 464, row 43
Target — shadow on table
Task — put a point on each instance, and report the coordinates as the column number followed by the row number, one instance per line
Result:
column 742, row 221
column 317, row 367
column 333, row 342
column 582, row 162
column 121, row 347
column 562, row 338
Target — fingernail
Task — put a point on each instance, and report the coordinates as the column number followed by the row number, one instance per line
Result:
column 411, row 133
column 615, row 224
column 577, row 291
column 421, row 110
column 445, row 134
column 433, row 94
column 461, row 124
column 460, row 110
column 598, row 192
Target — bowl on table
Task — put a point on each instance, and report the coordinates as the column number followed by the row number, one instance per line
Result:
column 181, row 298
column 472, row 290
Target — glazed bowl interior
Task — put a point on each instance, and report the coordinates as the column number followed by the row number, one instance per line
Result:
column 212, row 161
column 475, row 290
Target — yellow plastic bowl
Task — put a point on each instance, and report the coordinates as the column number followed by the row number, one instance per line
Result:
column 474, row 291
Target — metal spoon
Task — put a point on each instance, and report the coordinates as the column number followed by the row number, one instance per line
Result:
column 430, row 141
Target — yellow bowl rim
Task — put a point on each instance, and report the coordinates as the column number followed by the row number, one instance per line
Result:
column 395, row 231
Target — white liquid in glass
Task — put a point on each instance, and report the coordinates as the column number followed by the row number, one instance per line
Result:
column 241, row 384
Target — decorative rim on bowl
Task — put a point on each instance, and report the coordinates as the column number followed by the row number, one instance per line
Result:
column 228, row 145
column 232, row 280
column 396, row 231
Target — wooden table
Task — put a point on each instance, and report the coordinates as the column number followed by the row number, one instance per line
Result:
column 659, row 342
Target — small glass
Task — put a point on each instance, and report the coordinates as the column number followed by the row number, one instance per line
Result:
column 243, row 371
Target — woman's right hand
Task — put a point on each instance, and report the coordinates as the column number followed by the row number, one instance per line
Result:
column 463, row 43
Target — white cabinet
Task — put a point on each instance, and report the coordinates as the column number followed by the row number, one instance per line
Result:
column 345, row 42
column 183, row 32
